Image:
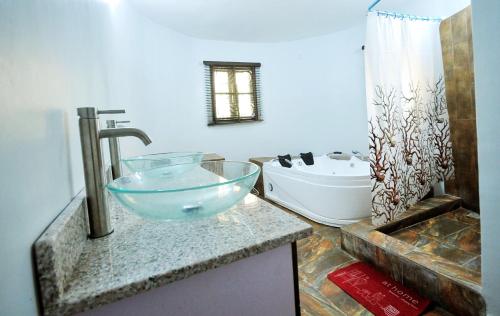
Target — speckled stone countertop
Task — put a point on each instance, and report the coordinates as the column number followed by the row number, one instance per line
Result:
column 142, row 254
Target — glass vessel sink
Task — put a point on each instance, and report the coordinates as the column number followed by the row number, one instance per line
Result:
column 147, row 162
column 203, row 189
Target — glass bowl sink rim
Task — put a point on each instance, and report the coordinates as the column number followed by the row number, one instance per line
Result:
column 152, row 156
column 110, row 186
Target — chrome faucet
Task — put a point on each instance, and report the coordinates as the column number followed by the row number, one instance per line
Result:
column 114, row 150
column 288, row 161
column 90, row 138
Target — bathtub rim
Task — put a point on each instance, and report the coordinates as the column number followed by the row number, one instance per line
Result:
column 322, row 179
column 273, row 165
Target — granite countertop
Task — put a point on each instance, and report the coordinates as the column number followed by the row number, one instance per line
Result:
column 142, row 254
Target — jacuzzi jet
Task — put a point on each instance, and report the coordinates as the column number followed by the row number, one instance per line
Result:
column 191, row 208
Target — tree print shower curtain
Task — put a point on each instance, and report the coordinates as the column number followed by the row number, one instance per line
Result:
column 408, row 126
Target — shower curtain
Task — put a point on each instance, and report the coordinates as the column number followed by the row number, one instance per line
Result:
column 409, row 136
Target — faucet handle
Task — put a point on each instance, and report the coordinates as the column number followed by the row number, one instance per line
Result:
column 121, row 123
column 110, row 111
column 114, row 123
column 91, row 112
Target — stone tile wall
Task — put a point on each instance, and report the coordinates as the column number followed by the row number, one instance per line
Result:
column 456, row 42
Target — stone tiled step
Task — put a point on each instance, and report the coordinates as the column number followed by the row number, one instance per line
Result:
column 454, row 287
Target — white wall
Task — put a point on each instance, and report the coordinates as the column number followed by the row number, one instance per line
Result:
column 313, row 96
column 150, row 76
column 485, row 26
column 51, row 61
column 58, row 55
column 312, row 90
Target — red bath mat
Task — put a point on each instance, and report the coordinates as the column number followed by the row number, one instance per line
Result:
column 378, row 293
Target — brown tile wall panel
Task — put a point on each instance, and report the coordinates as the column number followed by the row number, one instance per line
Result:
column 456, row 42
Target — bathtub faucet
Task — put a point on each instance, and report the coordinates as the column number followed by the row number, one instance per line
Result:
column 284, row 159
column 359, row 155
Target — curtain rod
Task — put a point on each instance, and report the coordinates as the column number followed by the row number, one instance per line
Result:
column 407, row 16
column 374, row 3
column 400, row 15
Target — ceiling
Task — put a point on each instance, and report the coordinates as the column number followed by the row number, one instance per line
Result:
column 254, row 20
column 275, row 20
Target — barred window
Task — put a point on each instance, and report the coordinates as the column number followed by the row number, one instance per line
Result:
column 233, row 92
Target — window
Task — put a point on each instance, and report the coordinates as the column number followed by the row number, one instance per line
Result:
column 232, row 90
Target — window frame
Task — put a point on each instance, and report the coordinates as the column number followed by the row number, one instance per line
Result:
column 233, row 66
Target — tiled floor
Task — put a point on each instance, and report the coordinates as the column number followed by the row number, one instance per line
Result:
column 454, row 236
column 317, row 256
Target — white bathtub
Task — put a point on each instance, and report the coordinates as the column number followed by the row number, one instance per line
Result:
column 331, row 192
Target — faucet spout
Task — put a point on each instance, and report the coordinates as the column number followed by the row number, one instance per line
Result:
column 123, row 132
